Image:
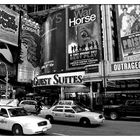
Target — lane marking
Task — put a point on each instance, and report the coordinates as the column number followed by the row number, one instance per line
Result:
column 59, row 134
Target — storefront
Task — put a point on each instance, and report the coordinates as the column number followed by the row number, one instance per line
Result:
column 62, row 86
column 122, row 81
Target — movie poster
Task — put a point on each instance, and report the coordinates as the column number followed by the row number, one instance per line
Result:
column 53, row 40
column 30, row 50
column 9, row 25
column 9, row 31
column 83, row 43
column 129, row 31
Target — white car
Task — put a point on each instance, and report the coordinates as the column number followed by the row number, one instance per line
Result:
column 17, row 120
column 30, row 105
column 72, row 113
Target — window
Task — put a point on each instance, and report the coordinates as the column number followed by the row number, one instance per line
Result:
column 138, row 103
column 69, row 111
column 58, row 110
column 3, row 112
column 25, row 102
column 131, row 103
column 32, row 103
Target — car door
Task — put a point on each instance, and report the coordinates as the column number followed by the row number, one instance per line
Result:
column 137, row 108
column 58, row 113
column 131, row 108
column 70, row 115
column 32, row 106
column 4, row 119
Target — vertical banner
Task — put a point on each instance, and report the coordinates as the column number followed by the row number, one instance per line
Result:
column 129, row 31
column 9, row 26
column 84, row 40
column 53, row 42
column 9, row 31
column 30, row 50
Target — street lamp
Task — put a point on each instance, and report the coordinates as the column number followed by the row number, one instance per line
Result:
column 6, row 78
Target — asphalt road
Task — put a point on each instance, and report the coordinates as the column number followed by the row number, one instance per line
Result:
column 124, row 127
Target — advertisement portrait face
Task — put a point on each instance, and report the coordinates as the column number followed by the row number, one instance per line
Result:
column 83, row 42
column 30, row 50
column 129, row 31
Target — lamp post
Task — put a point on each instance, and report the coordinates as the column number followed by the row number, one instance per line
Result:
column 6, row 79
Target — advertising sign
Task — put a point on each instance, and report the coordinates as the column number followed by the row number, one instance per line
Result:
column 126, row 66
column 9, row 26
column 129, row 31
column 59, row 79
column 83, row 41
column 30, row 50
column 53, row 38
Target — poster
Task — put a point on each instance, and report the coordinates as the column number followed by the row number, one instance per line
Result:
column 53, row 40
column 129, row 30
column 83, row 43
column 9, row 26
column 30, row 50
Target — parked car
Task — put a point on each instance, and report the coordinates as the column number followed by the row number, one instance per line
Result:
column 17, row 120
column 130, row 108
column 30, row 105
column 73, row 113
column 9, row 102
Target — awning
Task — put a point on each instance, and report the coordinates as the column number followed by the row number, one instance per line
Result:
column 72, row 89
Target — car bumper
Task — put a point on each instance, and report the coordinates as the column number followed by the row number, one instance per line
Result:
column 38, row 130
column 98, row 121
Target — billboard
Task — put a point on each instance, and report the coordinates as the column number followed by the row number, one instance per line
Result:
column 128, row 21
column 9, row 26
column 84, row 39
column 53, row 42
column 30, row 50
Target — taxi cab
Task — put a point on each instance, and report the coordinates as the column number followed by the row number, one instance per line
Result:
column 17, row 120
column 73, row 113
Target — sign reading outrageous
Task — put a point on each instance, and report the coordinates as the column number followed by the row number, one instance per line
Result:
column 125, row 66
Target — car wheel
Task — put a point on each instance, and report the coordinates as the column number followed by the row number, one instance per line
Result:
column 113, row 115
column 50, row 118
column 85, row 122
column 17, row 130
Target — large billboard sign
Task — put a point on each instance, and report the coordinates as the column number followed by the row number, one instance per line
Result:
column 9, row 25
column 30, row 49
column 129, row 31
column 83, row 40
column 53, row 40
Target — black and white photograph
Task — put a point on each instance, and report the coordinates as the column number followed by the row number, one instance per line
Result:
column 70, row 69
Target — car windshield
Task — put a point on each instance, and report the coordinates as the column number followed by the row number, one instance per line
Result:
column 78, row 109
column 15, row 112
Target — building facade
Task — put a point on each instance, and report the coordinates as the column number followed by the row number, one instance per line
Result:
column 111, row 69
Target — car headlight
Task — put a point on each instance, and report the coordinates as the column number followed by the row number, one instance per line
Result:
column 43, row 123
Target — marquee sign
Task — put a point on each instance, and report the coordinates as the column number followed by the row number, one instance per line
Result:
column 59, row 79
column 125, row 66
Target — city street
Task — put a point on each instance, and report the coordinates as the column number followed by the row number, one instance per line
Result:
column 124, row 127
